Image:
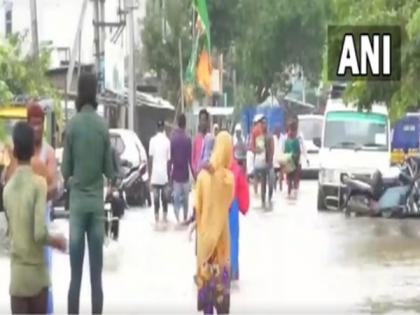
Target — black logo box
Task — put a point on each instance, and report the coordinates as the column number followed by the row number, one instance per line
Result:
column 335, row 41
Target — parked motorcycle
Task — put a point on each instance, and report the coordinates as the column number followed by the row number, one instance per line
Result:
column 387, row 196
column 133, row 185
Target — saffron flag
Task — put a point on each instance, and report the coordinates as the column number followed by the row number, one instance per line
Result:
column 201, row 70
column 204, row 69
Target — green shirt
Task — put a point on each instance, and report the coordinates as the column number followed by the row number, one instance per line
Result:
column 25, row 202
column 292, row 146
column 86, row 159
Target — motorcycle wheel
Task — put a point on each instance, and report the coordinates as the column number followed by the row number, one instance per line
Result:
column 135, row 195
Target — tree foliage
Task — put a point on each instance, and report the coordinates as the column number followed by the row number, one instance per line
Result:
column 399, row 96
column 161, row 43
column 21, row 74
column 24, row 75
column 269, row 36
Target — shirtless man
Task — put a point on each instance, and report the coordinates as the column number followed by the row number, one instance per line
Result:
column 44, row 164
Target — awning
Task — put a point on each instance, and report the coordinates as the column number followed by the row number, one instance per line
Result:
column 142, row 99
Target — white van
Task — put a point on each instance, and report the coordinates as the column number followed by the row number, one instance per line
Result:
column 310, row 129
column 355, row 142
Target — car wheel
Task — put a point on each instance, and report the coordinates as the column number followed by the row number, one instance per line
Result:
column 321, row 200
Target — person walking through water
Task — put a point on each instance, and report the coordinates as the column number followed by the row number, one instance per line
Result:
column 87, row 158
column 212, row 215
column 278, row 150
column 197, row 145
column 44, row 163
column 262, row 145
column 292, row 147
column 239, row 147
column 25, row 204
column 180, row 166
column 240, row 204
column 159, row 161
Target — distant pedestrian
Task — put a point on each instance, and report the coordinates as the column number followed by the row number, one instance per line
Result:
column 255, row 132
column 208, row 145
column 159, row 161
column 180, row 167
column 277, row 141
column 25, row 203
column 262, row 145
column 216, row 130
column 87, row 157
column 212, row 217
column 197, row 145
column 239, row 147
column 292, row 147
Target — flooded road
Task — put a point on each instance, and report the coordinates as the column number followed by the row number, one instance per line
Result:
column 293, row 259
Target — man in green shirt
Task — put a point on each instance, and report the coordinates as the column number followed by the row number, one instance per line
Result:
column 87, row 158
column 25, row 200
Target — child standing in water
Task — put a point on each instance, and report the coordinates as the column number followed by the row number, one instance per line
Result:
column 292, row 147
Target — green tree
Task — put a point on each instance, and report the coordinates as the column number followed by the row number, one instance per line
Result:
column 269, row 36
column 21, row 74
column 277, row 34
column 161, row 42
column 24, row 75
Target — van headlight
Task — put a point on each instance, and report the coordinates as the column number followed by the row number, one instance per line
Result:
column 329, row 176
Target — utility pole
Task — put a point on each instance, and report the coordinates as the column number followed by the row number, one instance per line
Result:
column 102, row 34
column 34, row 29
column 76, row 49
column 96, row 38
column 130, row 6
column 303, row 87
column 181, row 69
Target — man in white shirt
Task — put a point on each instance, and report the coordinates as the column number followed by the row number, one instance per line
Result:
column 159, row 158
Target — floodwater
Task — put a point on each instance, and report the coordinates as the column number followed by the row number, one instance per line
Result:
column 293, row 259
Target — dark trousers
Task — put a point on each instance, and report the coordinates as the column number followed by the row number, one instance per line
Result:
column 30, row 305
column 90, row 224
column 160, row 194
column 293, row 179
column 265, row 176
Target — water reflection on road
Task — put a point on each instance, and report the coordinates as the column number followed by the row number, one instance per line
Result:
column 292, row 259
column 327, row 262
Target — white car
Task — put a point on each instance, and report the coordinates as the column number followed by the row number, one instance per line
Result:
column 129, row 148
column 310, row 129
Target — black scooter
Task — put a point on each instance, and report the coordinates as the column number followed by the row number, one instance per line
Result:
column 379, row 196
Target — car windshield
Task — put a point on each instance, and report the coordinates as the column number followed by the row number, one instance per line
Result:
column 356, row 130
column 310, row 128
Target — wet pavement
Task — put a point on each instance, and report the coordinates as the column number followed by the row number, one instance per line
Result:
column 292, row 259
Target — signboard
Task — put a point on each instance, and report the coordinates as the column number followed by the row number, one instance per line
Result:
column 114, row 67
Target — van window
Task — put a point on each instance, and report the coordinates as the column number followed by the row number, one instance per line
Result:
column 356, row 130
column 310, row 128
